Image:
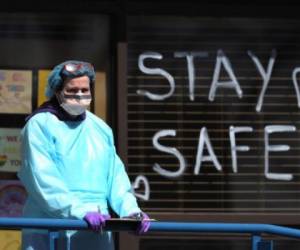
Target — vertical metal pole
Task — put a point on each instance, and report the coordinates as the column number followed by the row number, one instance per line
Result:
column 53, row 236
column 255, row 241
column 259, row 244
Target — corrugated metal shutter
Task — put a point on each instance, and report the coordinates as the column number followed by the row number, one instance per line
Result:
column 248, row 190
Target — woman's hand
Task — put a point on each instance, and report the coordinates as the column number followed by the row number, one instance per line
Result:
column 96, row 220
column 144, row 222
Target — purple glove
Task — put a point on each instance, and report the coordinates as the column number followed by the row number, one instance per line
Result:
column 96, row 220
column 145, row 222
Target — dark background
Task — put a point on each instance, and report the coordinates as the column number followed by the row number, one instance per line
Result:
column 137, row 26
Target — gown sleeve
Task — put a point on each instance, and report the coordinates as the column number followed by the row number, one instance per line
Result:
column 120, row 196
column 40, row 175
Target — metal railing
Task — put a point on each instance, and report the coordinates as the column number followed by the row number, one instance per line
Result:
column 54, row 225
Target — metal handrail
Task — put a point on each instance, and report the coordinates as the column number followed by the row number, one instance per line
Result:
column 155, row 226
column 252, row 228
column 255, row 229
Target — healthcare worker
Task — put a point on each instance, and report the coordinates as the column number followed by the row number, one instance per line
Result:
column 70, row 167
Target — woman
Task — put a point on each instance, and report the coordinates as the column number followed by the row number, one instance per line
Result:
column 69, row 164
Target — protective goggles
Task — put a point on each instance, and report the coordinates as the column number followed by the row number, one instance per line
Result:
column 75, row 68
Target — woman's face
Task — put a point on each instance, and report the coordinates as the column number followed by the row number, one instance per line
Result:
column 75, row 97
column 76, row 85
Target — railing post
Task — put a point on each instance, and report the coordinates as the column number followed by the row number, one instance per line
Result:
column 255, row 240
column 259, row 244
column 53, row 236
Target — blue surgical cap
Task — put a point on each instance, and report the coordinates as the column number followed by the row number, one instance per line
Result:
column 60, row 73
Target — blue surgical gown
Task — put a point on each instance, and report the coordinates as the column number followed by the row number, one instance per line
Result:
column 69, row 169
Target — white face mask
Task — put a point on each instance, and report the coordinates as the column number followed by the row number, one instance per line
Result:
column 74, row 104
